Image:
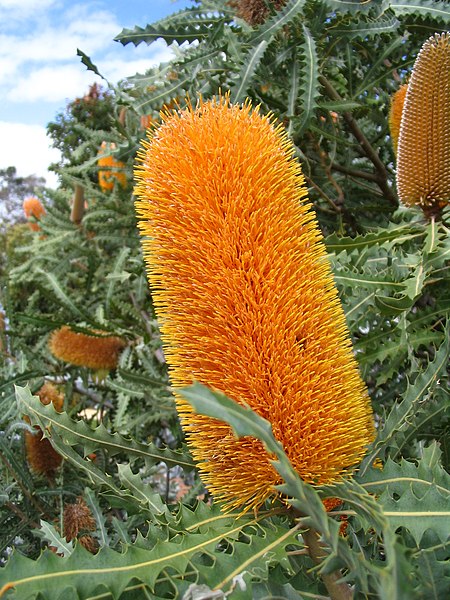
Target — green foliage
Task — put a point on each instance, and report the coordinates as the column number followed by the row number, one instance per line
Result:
column 326, row 69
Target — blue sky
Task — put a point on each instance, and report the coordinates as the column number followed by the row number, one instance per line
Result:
column 40, row 70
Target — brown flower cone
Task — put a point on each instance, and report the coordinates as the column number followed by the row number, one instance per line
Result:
column 41, row 456
column 423, row 161
column 246, row 299
column 92, row 351
column 255, row 12
column 78, row 520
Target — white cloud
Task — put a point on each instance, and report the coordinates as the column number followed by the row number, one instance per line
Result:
column 52, row 84
column 27, row 148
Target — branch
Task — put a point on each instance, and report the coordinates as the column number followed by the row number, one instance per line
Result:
column 370, row 153
column 337, row 590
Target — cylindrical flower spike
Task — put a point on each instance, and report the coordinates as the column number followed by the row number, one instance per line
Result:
column 395, row 114
column 96, row 351
column 423, row 161
column 246, row 299
column 32, row 207
column 110, row 169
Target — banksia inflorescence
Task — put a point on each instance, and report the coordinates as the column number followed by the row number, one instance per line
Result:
column 255, row 12
column 78, row 522
column 110, row 169
column 41, row 456
column 395, row 114
column 32, row 207
column 96, row 351
column 423, row 155
column 246, row 298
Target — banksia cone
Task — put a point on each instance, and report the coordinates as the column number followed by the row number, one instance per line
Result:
column 111, row 170
column 423, row 162
column 246, row 299
column 41, row 456
column 78, row 520
column 395, row 114
column 255, row 12
column 96, row 351
column 32, row 207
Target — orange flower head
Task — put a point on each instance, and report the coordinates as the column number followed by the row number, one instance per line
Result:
column 246, row 299
column 41, row 456
column 395, row 114
column 423, row 161
column 32, row 207
column 110, row 169
column 96, row 351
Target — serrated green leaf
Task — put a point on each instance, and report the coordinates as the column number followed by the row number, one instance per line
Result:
column 142, row 492
column 365, row 28
column 421, row 8
column 310, row 89
column 48, row 532
column 266, row 32
column 397, row 234
column 79, row 433
column 251, row 62
column 400, row 415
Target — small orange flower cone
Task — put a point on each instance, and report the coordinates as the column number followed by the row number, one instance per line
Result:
column 246, row 299
column 78, row 520
column 41, row 456
column 32, row 207
column 96, row 351
column 423, row 156
column 395, row 114
column 110, row 169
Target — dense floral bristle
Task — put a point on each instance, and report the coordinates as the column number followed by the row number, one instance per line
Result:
column 246, row 299
column 110, row 170
column 32, row 207
column 423, row 162
column 255, row 12
column 96, row 351
column 395, row 114
column 41, row 457
column 77, row 520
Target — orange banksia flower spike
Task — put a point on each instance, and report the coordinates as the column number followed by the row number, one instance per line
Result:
column 423, row 155
column 395, row 114
column 246, row 299
column 96, row 351
column 32, row 207
column 110, row 169
column 41, row 457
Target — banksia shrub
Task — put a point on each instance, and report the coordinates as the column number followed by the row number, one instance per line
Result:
column 110, row 169
column 255, row 12
column 423, row 161
column 41, row 457
column 96, row 351
column 395, row 114
column 32, row 207
column 78, row 521
column 246, row 299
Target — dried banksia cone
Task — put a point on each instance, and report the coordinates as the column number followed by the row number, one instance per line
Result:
column 78, row 522
column 96, row 351
column 255, row 12
column 111, row 170
column 32, row 207
column 246, row 299
column 423, row 161
column 41, row 457
column 395, row 114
